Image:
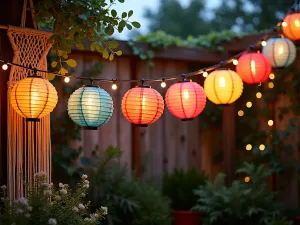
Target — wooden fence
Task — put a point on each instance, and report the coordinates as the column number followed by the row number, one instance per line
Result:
column 169, row 143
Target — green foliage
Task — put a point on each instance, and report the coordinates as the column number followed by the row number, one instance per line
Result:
column 130, row 202
column 73, row 22
column 179, row 187
column 47, row 204
column 241, row 203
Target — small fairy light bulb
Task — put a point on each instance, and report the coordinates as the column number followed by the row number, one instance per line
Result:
column 235, row 62
column 247, row 179
column 248, row 147
column 271, row 85
column 270, row 123
column 4, row 66
column 205, row 74
column 262, row 147
column 163, row 83
column 263, row 43
column 284, row 24
column 272, row 76
column 249, row 104
column 67, row 79
column 258, row 95
column 114, row 86
column 240, row 112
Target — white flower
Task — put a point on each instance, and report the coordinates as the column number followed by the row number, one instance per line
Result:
column 27, row 215
column 75, row 209
column 87, row 219
column 20, row 211
column 86, row 186
column 86, row 182
column 61, row 185
column 81, row 206
column 63, row 191
column 104, row 210
column 3, row 187
column 84, row 176
column 83, row 194
column 52, row 221
column 96, row 215
column 23, row 201
column 47, row 192
column 57, row 197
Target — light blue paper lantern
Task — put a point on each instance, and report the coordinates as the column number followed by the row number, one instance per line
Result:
column 90, row 107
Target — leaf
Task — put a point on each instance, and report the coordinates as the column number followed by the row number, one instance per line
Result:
column 122, row 1
column 99, row 48
column 85, row 161
column 105, row 54
column 119, row 53
column 130, row 13
column 63, row 71
column 109, row 30
column 129, row 27
column 80, row 46
column 61, row 52
column 136, row 24
column 71, row 62
column 113, row 44
column 122, row 23
column 124, row 14
column 51, row 76
column 54, row 64
column 111, row 57
column 113, row 13
column 93, row 46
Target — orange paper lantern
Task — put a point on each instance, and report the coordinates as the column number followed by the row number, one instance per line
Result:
column 291, row 26
column 142, row 105
column 185, row 100
column 254, row 68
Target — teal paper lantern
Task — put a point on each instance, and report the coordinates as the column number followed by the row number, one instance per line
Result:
column 90, row 107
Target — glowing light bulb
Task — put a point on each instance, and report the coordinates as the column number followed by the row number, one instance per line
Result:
column 235, row 62
column 90, row 100
column 249, row 104
column 114, row 86
column 258, row 95
column 186, row 94
column 280, row 50
column 297, row 23
column 264, row 43
column 271, row 85
column 270, row 123
column 163, row 84
column 240, row 112
column 4, row 66
column 248, row 147
column 67, row 79
column 262, row 147
column 222, row 82
column 284, row 24
column 205, row 74
column 247, row 179
column 253, row 69
column 272, row 76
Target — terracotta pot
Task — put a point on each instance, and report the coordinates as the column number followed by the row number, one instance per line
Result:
column 186, row 218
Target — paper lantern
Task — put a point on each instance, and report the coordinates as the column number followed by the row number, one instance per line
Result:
column 33, row 98
column 185, row 100
column 142, row 105
column 90, row 107
column 223, row 86
column 253, row 68
column 291, row 26
column 281, row 52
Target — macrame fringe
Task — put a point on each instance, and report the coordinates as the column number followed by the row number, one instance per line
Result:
column 29, row 144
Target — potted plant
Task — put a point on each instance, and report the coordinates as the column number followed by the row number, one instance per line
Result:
column 241, row 203
column 179, row 187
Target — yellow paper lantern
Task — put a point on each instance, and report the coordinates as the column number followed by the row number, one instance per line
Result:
column 223, row 86
column 33, row 98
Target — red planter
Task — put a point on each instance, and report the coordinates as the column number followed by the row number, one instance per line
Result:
column 186, row 218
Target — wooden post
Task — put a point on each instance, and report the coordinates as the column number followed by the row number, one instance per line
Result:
column 10, row 14
column 136, row 157
column 229, row 149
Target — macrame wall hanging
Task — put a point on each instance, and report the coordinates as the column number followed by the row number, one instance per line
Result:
column 29, row 145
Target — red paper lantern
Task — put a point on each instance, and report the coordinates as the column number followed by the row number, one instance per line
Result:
column 185, row 100
column 142, row 105
column 253, row 68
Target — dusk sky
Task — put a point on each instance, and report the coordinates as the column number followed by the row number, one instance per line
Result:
column 138, row 7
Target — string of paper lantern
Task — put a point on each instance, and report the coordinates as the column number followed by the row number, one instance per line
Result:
column 91, row 106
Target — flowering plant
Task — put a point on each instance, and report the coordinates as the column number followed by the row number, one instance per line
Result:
column 47, row 204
